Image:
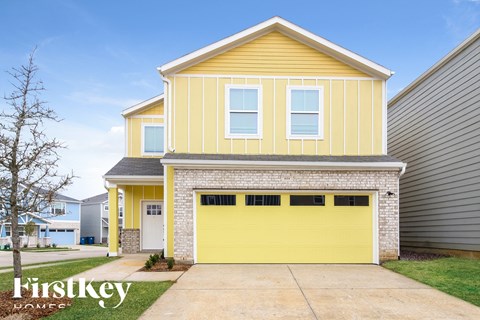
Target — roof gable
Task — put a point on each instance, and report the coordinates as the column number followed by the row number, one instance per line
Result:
column 287, row 28
column 144, row 106
column 275, row 54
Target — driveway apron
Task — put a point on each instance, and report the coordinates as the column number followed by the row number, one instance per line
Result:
column 279, row 291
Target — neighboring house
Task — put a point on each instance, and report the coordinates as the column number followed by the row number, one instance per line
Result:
column 95, row 217
column 434, row 125
column 58, row 221
column 64, row 215
column 268, row 146
column 23, row 219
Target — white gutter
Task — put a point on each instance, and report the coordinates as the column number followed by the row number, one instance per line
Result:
column 168, row 95
column 249, row 164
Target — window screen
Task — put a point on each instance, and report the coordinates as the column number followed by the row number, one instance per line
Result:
column 153, row 139
column 262, row 200
column 243, row 111
column 357, row 201
column 218, row 200
column 307, row 200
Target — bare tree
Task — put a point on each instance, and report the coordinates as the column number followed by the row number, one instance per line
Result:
column 29, row 178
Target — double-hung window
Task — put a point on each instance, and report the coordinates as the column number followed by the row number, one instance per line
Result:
column 243, row 111
column 304, row 112
column 153, row 139
column 58, row 208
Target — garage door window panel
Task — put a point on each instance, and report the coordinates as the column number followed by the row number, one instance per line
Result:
column 218, row 200
column 351, row 201
column 307, row 200
column 262, row 200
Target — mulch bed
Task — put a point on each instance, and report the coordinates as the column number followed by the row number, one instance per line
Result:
column 161, row 266
column 420, row 256
column 28, row 308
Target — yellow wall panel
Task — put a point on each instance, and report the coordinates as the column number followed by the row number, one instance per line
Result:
column 366, row 117
column 268, row 118
column 280, row 134
column 133, row 197
column 210, row 116
column 155, row 109
column 337, row 118
column 377, row 119
column 351, row 118
column 134, row 142
column 274, row 54
column 196, row 117
column 181, row 116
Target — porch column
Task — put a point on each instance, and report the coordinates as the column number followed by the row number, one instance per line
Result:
column 113, row 221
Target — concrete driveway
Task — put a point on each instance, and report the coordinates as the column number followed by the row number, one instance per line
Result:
column 303, row 292
column 6, row 258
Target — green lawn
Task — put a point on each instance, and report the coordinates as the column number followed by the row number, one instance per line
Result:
column 459, row 277
column 42, row 263
column 140, row 296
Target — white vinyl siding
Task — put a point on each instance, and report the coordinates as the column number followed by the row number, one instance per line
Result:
column 243, row 111
column 304, row 112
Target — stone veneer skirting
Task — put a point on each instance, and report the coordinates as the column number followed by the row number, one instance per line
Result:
column 130, row 241
column 188, row 180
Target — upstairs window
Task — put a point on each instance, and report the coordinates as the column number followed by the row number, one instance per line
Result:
column 304, row 112
column 243, row 116
column 58, row 208
column 153, row 139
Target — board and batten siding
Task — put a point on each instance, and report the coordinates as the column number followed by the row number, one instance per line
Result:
column 133, row 128
column 435, row 129
column 353, row 102
column 352, row 116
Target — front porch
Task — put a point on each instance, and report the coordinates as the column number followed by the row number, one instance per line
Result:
column 141, row 181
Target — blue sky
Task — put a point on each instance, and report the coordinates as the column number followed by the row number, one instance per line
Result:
column 97, row 58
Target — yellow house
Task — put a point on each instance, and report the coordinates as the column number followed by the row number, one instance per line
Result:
column 268, row 146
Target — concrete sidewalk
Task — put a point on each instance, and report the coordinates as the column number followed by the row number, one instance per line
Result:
column 304, row 292
column 126, row 269
column 83, row 252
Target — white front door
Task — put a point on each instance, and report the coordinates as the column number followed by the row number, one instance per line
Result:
column 152, row 225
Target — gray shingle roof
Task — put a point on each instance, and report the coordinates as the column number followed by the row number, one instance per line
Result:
column 96, row 199
column 137, row 167
column 303, row 158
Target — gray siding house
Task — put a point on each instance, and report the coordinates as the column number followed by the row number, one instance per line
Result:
column 95, row 217
column 434, row 126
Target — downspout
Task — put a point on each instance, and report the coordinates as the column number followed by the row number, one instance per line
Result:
column 401, row 173
column 168, row 94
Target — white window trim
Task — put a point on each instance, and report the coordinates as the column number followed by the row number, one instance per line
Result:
column 321, row 127
column 64, row 205
column 143, row 139
column 259, row 134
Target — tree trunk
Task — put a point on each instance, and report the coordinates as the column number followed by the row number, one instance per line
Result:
column 17, row 261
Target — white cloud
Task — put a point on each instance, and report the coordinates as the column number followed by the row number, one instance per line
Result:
column 91, row 153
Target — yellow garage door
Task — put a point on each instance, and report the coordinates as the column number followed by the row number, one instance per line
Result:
column 284, row 228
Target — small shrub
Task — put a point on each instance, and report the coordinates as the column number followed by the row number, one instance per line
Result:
column 38, row 245
column 148, row 264
column 47, row 246
column 156, row 256
column 170, row 263
column 25, row 245
column 54, row 245
column 162, row 255
column 6, row 247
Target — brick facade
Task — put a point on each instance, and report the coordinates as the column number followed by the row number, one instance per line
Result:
column 188, row 180
column 130, row 240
